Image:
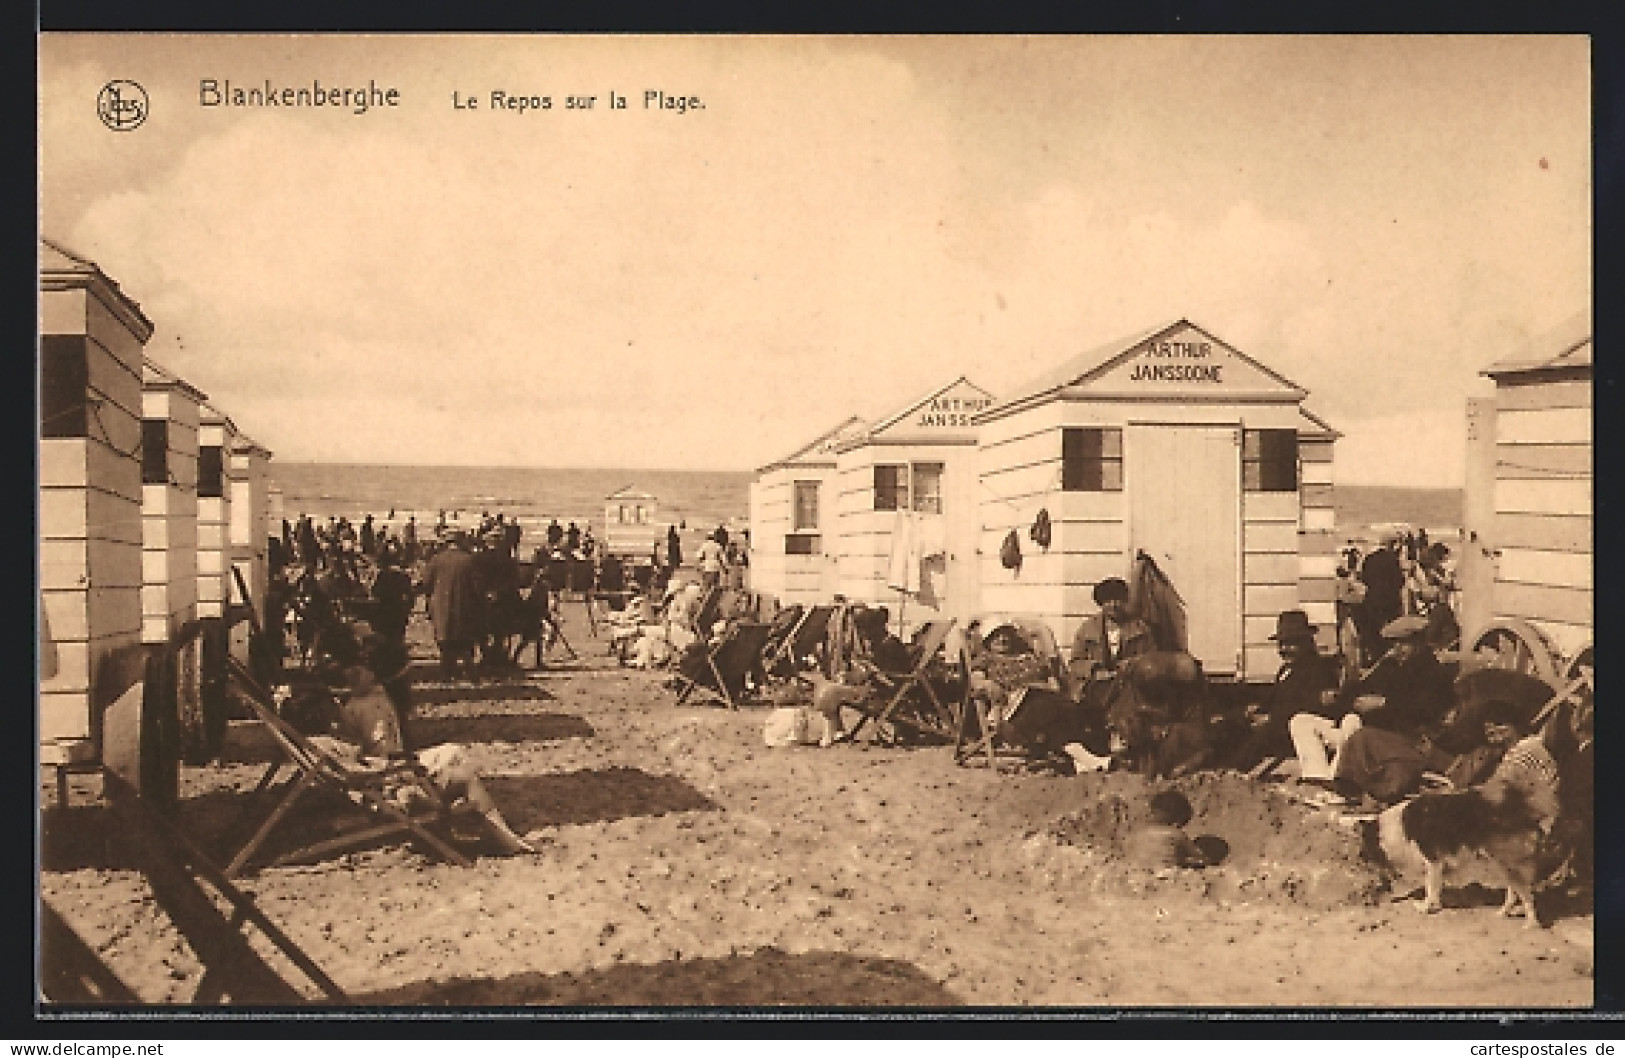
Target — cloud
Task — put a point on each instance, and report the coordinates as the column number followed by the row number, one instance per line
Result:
column 846, row 225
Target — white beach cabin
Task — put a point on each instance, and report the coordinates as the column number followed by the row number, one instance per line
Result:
column 906, row 508
column 249, row 477
column 1527, row 570
column 1176, row 444
column 792, row 521
column 169, row 453
column 216, row 436
column 92, row 338
column 632, row 522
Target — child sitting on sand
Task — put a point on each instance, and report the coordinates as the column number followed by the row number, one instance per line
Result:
column 1163, row 843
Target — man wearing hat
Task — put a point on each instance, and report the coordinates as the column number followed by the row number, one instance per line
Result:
column 1104, row 639
column 1300, row 689
column 1402, row 703
column 456, row 605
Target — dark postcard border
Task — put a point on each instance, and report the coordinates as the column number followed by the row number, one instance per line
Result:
column 23, row 1019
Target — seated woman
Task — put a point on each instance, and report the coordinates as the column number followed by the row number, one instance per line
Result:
column 626, row 625
column 362, row 727
column 1023, row 699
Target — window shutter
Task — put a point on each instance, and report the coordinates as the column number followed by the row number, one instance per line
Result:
column 154, row 451
column 211, row 471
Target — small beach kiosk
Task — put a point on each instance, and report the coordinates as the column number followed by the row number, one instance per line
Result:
column 631, row 522
column 906, row 508
column 792, row 521
column 1532, row 451
column 1175, row 444
column 92, row 662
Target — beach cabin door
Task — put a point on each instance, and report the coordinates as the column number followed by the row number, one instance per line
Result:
column 1184, row 509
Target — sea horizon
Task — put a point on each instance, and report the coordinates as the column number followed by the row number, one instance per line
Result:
column 691, row 499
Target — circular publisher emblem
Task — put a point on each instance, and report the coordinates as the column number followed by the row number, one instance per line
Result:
column 122, row 105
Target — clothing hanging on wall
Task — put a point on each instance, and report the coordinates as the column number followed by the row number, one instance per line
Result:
column 903, row 564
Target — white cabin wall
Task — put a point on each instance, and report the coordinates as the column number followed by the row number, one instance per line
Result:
column 169, row 521
column 214, row 590
column 865, row 534
column 1543, row 508
column 1317, row 540
column 792, row 579
column 90, row 528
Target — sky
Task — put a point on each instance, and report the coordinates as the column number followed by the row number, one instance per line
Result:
column 844, row 225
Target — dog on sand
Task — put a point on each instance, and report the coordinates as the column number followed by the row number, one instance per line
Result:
column 1491, row 826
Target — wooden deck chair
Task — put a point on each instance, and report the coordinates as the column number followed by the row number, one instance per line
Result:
column 175, row 870
column 314, row 768
column 885, row 710
column 725, row 664
column 808, row 635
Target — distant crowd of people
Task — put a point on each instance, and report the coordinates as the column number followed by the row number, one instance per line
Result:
column 1405, row 574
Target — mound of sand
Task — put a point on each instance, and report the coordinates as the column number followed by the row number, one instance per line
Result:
column 1279, row 850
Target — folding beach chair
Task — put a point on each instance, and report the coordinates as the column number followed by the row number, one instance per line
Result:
column 804, row 639
column 314, row 768
column 723, row 666
column 911, row 686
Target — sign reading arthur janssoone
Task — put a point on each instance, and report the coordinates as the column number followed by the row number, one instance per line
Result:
column 1185, row 362
column 1178, row 362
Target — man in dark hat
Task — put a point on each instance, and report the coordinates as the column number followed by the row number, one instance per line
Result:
column 1301, row 688
column 456, row 605
column 1106, row 638
column 1401, row 704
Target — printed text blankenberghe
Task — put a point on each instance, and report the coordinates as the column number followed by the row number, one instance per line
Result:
column 223, row 93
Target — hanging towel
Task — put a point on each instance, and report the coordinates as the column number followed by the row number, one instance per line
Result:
column 902, row 567
column 933, row 536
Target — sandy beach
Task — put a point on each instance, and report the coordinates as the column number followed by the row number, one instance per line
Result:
column 685, row 864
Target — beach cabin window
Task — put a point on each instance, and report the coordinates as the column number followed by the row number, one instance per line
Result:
column 154, row 451
column 927, row 486
column 211, row 471
column 802, row 543
column 891, row 487
column 805, row 513
column 1091, row 459
column 1269, row 460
